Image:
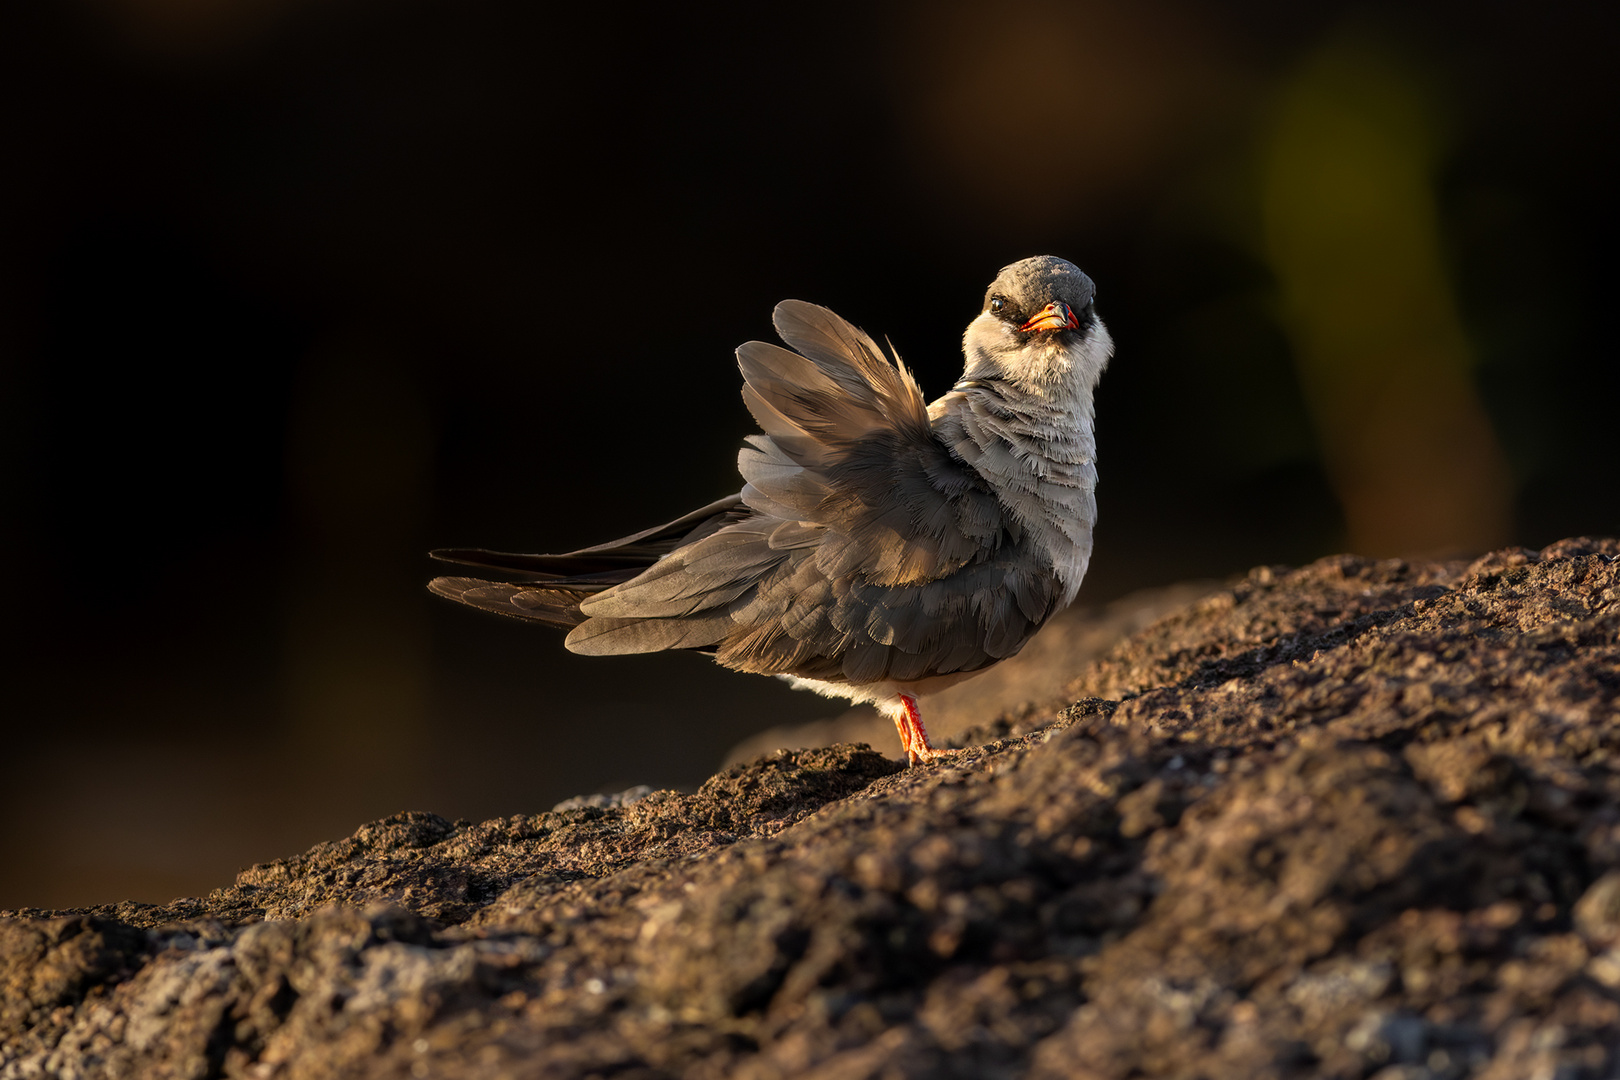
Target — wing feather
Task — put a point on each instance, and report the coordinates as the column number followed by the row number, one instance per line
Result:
column 712, row 572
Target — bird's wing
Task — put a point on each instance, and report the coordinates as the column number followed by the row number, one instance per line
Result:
column 874, row 552
column 848, row 446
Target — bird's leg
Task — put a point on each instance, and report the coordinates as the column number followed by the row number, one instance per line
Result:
column 901, row 723
column 913, row 736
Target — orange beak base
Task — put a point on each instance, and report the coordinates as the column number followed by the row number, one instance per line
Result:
column 1054, row 316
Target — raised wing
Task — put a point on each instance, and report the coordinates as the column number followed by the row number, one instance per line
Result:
column 873, row 552
column 848, row 445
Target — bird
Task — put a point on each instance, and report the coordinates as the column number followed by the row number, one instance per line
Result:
column 881, row 548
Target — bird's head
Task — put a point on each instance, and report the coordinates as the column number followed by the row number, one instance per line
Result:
column 1039, row 328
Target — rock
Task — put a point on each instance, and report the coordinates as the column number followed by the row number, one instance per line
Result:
column 1360, row 818
column 1597, row 912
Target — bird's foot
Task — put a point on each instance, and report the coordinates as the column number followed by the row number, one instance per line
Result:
column 914, row 736
column 931, row 753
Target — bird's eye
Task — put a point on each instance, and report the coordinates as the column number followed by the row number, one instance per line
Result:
column 996, row 304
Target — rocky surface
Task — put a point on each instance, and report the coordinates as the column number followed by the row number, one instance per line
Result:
column 1360, row 819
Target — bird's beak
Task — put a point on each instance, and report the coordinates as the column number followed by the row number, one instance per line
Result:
column 1054, row 316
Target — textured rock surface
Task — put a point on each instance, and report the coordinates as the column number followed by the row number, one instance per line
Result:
column 1359, row 819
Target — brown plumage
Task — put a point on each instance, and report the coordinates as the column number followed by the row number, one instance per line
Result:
column 881, row 547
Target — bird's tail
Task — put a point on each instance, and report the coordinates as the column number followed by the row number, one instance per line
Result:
column 557, row 583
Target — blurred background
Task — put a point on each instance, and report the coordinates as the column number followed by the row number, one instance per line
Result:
column 292, row 291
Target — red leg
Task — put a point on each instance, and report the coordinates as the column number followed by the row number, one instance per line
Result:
column 913, row 736
column 901, row 725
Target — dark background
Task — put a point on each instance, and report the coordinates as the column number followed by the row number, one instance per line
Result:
column 292, row 291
